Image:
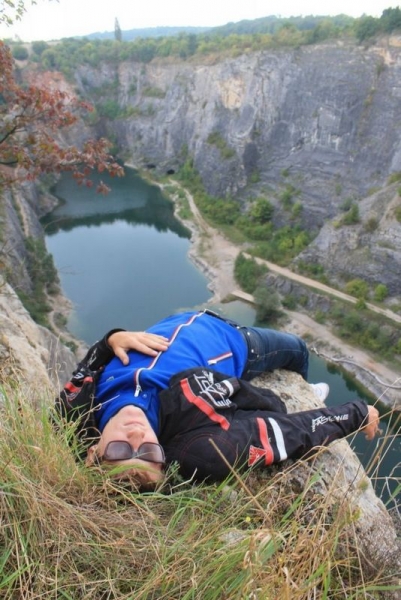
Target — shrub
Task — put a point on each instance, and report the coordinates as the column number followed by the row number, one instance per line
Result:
column 247, row 272
column 290, row 302
column 268, row 305
column 216, row 139
column 371, row 225
column 20, row 52
column 394, row 178
column 261, row 211
column 153, row 92
column 39, row 47
column 357, row 288
column 352, row 216
column 380, row 292
column 109, row 109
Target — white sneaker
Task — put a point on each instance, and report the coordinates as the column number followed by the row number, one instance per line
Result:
column 321, row 390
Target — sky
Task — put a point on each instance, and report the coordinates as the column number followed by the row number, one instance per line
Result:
column 52, row 19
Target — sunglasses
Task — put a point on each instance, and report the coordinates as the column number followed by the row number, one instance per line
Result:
column 120, row 450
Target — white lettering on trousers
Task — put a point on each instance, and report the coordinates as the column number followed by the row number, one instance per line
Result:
column 332, row 419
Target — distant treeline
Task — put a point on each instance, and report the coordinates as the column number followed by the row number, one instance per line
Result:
column 230, row 40
column 146, row 32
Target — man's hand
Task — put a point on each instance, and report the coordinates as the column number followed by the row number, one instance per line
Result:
column 372, row 428
column 147, row 343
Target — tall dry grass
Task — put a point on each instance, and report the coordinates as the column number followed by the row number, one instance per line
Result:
column 70, row 533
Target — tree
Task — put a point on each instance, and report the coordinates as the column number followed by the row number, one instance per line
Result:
column 30, row 120
column 268, row 305
column 19, row 52
column 118, row 36
column 366, row 27
column 39, row 47
column 391, row 19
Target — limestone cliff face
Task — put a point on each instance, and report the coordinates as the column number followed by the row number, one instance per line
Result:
column 321, row 120
column 369, row 249
column 28, row 351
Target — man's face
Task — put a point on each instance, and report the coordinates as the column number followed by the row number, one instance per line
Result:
column 129, row 425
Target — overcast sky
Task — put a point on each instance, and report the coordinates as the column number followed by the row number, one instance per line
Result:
column 53, row 20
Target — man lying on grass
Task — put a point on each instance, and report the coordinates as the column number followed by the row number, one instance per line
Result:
column 158, row 400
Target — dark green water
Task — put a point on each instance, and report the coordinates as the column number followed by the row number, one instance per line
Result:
column 122, row 260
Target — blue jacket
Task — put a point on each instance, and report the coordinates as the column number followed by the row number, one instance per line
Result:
column 197, row 339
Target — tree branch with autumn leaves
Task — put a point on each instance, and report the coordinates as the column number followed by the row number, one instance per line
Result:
column 31, row 119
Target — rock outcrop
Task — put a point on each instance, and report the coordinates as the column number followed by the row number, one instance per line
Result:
column 342, row 479
column 30, row 353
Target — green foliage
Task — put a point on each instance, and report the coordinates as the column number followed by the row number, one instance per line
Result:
column 254, row 231
column 254, row 177
column 50, row 59
column 283, row 245
column 357, row 288
column 287, row 196
column 394, row 178
column 390, row 19
column 296, row 209
column 320, row 317
column 44, row 278
column 371, row 225
column 366, row 330
column 313, row 270
column 338, row 188
column 218, row 210
column 109, row 109
column 39, row 47
column 261, row 211
column 352, row 216
column 366, row 27
column 19, row 52
column 268, row 305
column 380, row 292
column 397, row 213
column 153, row 92
column 247, row 272
column 346, row 204
column 215, row 139
column 290, row 302
column 231, row 40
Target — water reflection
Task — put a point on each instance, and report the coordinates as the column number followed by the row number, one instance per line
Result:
column 131, row 200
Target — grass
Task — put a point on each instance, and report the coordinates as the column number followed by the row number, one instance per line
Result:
column 71, row 533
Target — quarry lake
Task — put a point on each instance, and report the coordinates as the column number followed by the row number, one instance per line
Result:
column 122, row 261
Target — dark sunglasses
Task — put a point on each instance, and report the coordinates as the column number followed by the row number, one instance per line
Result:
column 120, row 450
